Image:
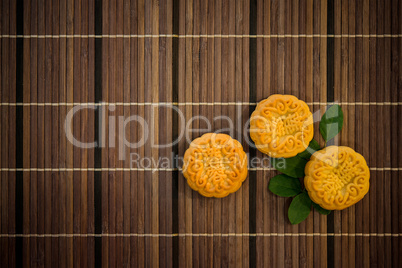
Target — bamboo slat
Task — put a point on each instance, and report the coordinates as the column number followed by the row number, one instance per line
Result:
column 169, row 61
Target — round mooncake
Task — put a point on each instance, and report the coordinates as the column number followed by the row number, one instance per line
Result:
column 215, row 165
column 336, row 177
column 281, row 126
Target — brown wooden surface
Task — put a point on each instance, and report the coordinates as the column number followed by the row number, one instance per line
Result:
column 66, row 206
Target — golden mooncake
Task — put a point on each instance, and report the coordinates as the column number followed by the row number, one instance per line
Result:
column 215, row 165
column 281, row 126
column 336, row 177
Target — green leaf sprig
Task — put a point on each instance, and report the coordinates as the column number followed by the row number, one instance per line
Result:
column 300, row 208
column 284, row 185
column 294, row 166
column 331, row 122
column 288, row 183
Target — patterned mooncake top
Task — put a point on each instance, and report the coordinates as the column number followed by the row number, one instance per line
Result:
column 215, row 165
column 281, row 126
column 337, row 177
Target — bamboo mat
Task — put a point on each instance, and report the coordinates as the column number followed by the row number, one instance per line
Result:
column 62, row 205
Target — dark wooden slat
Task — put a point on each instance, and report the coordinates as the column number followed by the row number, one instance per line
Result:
column 14, row 121
column 162, row 131
column 112, row 137
column 238, row 83
column 119, row 112
column 97, row 28
column 359, row 119
column 41, row 134
column 195, row 87
column 317, row 92
column 366, row 125
column 70, row 212
column 1, row 121
column 134, row 176
column 260, row 179
column 26, row 134
column 148, row 257
column 77, row 156
column 204, row 92
column 62, row 262
column 323, row 98
column 321, row 86
column 380, row 213
column 352, row 122
column 140, row 133
column 232, row 97
column 159, row 91
column 309, row 91
column 181, row 97
column 34, row 133
column 169, row 135
column 288, row 56
column 344, row 138
column 302, row 95
column 188, row 114
column 395, row 204
column 55, row 140
column 104, row 135
column 269, row 211
column 41, row 131
column 5, row 87
column 373, row 133
column 208, row 96
column 89, row 60
column 84, row 128
column 217, row 93
column 225, row 220
column 400, row 118
column 192, row 69
column 127, row 194
column 245, row 94
column 48, row 206
column 387, row 132
column 295, row 88
column 154, row 97
column 337, row 251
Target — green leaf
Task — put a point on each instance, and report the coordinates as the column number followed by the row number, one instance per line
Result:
column 311, row 149
column 300, row 208
column 320, row 209
column 284, row 185
column 293, row 166
column 331, row 122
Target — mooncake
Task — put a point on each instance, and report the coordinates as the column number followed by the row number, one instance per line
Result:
column 215, row 165
column 337, row 177
column 281, row 126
